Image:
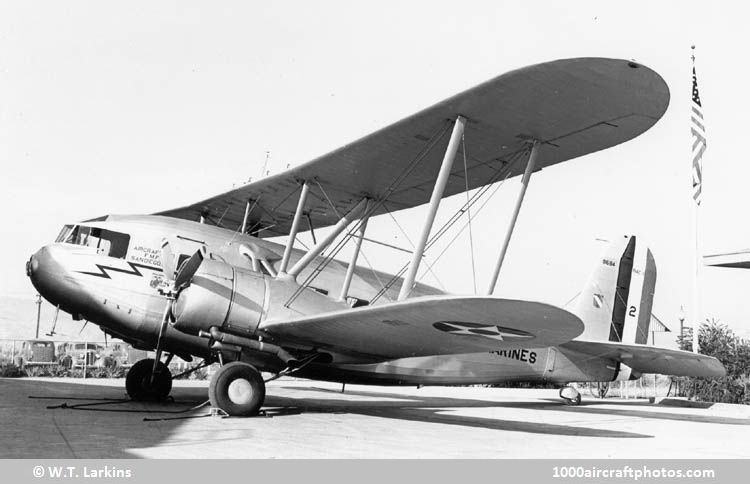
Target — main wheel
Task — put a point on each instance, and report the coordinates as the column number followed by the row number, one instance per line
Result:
column 238, row 389
column 138, row 381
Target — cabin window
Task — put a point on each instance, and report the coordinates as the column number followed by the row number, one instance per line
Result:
column 106, row 242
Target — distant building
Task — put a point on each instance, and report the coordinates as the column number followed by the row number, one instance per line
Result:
column 657, row 326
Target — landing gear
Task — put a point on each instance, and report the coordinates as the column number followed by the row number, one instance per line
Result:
column 570, row 395
column 139, row 383
column 602, row 388
column 238, row 389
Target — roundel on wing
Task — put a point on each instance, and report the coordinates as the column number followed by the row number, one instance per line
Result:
column 493, row 331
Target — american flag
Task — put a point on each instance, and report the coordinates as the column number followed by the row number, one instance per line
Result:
column 699, row 141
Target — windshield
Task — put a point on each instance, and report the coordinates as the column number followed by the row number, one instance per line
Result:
column 84, row 346
column 106, row 242
column 64, row 233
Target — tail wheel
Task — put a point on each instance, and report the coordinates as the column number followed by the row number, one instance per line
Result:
column 238, row 389
column 603, row 388
column 138, row 382
column 570, row 395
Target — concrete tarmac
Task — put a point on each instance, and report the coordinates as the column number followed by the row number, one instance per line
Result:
column 304, row 419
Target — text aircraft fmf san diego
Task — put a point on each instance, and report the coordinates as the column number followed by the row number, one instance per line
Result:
column 204, row 280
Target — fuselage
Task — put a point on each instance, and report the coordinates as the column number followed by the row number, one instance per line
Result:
column 108, row 271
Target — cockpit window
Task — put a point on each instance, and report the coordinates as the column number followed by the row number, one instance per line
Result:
column 106, row 242
column 64, row 233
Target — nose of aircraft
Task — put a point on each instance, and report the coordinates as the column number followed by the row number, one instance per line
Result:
column 32, row 265
column 37, row 264
column 46, row 273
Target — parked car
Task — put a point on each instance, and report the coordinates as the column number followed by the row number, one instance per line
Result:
column 37, row 352
column 84, row 354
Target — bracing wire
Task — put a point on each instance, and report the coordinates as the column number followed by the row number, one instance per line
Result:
column 505, row 168
column 440, row 132
column 461, row 230
column 429, row 267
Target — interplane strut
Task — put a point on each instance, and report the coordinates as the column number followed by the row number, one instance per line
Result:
column 295, row 227
column 437, row 195
column 516, row 210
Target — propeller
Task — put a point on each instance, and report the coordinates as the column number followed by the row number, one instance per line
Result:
column 54, row 322
column 173, row 284
column 167, row 259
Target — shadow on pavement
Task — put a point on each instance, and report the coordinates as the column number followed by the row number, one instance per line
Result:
column 96, row 421
column 588, row 406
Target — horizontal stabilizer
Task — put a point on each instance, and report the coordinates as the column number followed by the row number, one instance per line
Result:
column 432, row 325
column 736, row 260
column 650, row 359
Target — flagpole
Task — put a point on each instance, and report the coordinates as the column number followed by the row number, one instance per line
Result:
column 697, row 167
column 696, row 277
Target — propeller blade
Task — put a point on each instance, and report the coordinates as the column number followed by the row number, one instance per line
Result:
column 167, row 259
column 159, row 341
column 188, row 268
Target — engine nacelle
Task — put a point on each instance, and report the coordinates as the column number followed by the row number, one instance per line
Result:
column 220, row 295
column 623, row 373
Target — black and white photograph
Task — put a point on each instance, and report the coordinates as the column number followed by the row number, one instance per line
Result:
column 503, row 232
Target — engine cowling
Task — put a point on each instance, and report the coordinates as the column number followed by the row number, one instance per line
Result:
column 220, row 295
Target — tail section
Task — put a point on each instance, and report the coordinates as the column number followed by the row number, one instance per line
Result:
column 615, row 307
column 616, row 303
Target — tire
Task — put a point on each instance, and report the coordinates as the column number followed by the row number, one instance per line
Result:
column 238, row 389
column 570, row 399
column 138, row 381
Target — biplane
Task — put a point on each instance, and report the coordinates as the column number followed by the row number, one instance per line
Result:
column 207, row 280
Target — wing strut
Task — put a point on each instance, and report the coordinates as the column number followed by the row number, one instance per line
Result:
column 524, row 185
column 295, row 227
column 243, row 229
column 354, row 213
column 353, row 262
column 437, row 195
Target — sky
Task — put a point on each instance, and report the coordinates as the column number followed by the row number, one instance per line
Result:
column 137, row 107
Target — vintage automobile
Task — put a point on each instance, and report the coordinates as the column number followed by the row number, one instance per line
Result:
column 79, row 355
column 38, row 352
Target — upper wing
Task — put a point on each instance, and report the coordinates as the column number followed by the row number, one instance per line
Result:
column 649, row 359
column 575, row 106
column 432, row 325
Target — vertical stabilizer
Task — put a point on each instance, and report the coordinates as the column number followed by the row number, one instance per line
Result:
column 616, row 303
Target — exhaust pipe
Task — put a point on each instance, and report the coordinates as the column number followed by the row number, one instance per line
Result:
column 237, row 341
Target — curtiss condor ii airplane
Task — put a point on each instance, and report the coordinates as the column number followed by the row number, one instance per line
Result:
column 204, row 281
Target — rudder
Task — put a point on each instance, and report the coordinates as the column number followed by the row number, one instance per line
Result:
column 616, row 303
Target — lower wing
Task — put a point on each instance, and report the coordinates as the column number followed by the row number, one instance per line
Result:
column 650, row 359
column 431, row 325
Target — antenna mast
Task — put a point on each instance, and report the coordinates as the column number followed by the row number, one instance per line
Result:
column 265, row 164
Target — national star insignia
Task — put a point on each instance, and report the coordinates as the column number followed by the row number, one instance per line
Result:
column 485, row 330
